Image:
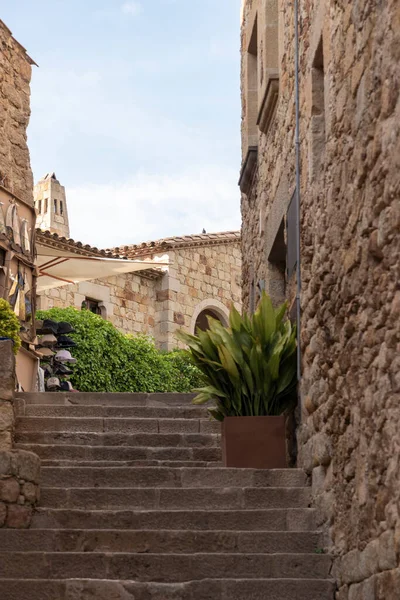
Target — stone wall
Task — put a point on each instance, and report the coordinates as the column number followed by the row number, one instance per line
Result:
column 199, row 278
column 129, row 300
column 15, row 76
column 349, row 437
column 19, row 470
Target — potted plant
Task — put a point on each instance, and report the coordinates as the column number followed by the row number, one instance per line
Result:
column 250, row 369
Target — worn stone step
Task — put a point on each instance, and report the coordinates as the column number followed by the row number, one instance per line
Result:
column 157, row 541
column 186, row 477
column 128, row 425
column 206, row 589
column 101, row 498
column 293, row 519
column 106, row 399
column 168, row 568
column 176, row 464
column 146, row 440
column 155, row 412
column 209, row 454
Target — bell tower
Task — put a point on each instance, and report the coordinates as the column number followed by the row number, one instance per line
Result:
column 51, row 206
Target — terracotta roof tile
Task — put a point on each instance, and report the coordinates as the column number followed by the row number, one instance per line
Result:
column 185, row 241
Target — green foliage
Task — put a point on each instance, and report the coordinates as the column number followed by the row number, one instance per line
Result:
column 109, row 361
column 9, row 324
column 249, row 367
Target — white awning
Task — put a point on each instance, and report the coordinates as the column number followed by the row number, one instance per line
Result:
column 60, row 267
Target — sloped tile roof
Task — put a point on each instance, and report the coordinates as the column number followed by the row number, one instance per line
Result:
column 185, row 241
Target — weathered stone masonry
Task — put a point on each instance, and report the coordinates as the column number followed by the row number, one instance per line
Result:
column 204, row 274
column 349, row 437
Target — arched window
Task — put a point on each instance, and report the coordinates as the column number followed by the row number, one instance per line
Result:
column 208, row 308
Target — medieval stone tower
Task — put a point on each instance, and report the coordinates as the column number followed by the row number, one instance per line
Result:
column 51, row 205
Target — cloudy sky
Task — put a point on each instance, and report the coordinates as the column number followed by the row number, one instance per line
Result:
column 136, row 107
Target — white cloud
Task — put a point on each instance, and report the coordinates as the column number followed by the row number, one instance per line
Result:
column 150, row 206
column 132, row 8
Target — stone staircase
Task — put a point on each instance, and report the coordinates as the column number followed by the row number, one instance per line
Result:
column 135, row 506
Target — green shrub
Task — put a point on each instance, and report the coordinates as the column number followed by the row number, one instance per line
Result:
column 109, row 361
column 249, row 367
column 9, row 324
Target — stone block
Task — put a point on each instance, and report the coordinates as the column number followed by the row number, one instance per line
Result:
column 26, row 465
column 9, row 490
column 7, row 370
column 5, row 463
column 5, row 440
column 19, row 517
column 3, row 513
column 6, row 416
column 29, row 492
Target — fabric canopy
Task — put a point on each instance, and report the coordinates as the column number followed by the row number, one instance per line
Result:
column 60, row 267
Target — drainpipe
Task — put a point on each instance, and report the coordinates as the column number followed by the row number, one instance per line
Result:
column 297, row 144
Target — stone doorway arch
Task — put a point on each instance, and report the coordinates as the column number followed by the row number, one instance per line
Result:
column 212, row 308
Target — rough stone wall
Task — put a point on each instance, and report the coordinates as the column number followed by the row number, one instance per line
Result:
column 129, row 300
column 198, row 278
column 19, row 470
column 15, row 76
column 349, row 437
column 201, row 277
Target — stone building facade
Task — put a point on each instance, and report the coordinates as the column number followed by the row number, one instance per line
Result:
column 349, row 81
column 19, row 470
column 203, row 277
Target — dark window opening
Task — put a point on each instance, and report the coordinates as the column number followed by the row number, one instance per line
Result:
column 92, row 305
column 202, row 321
column 61, row 208
column 317, row 137
column 55, row 206
column 40, row 207
column 2, row 272
column 291, row 235
column 46, row 205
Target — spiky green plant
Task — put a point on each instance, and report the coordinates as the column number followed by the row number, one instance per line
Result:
column 250, row 366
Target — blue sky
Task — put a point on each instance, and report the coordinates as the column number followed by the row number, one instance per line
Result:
column 136, row 107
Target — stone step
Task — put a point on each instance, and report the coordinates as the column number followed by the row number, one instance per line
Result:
column 175, row 464
column 147, row 440
column 157, row 541
column 106, row 399
column 209, row 454
column 102, row 498
column 128, row 425
column 217, row 589
column 186, row 477
column 167, row 568
column 294, row 519
column 147, row 412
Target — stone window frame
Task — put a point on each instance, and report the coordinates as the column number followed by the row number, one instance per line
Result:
column 216, row 306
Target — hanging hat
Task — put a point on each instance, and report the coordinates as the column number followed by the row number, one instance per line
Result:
column 64, row 327
column 48, row 340
column 62, row 370
column 65, row 342
column 53, row 383
column 65, row 356
column 45, row 352
column 48, row 326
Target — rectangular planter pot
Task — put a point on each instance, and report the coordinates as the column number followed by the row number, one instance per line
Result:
column 254, row 442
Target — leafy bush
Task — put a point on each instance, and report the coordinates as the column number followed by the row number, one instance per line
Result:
column 250, row 367
column 109, row 361
column 9, row 324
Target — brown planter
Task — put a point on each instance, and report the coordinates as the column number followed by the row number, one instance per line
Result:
column 254, row 442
